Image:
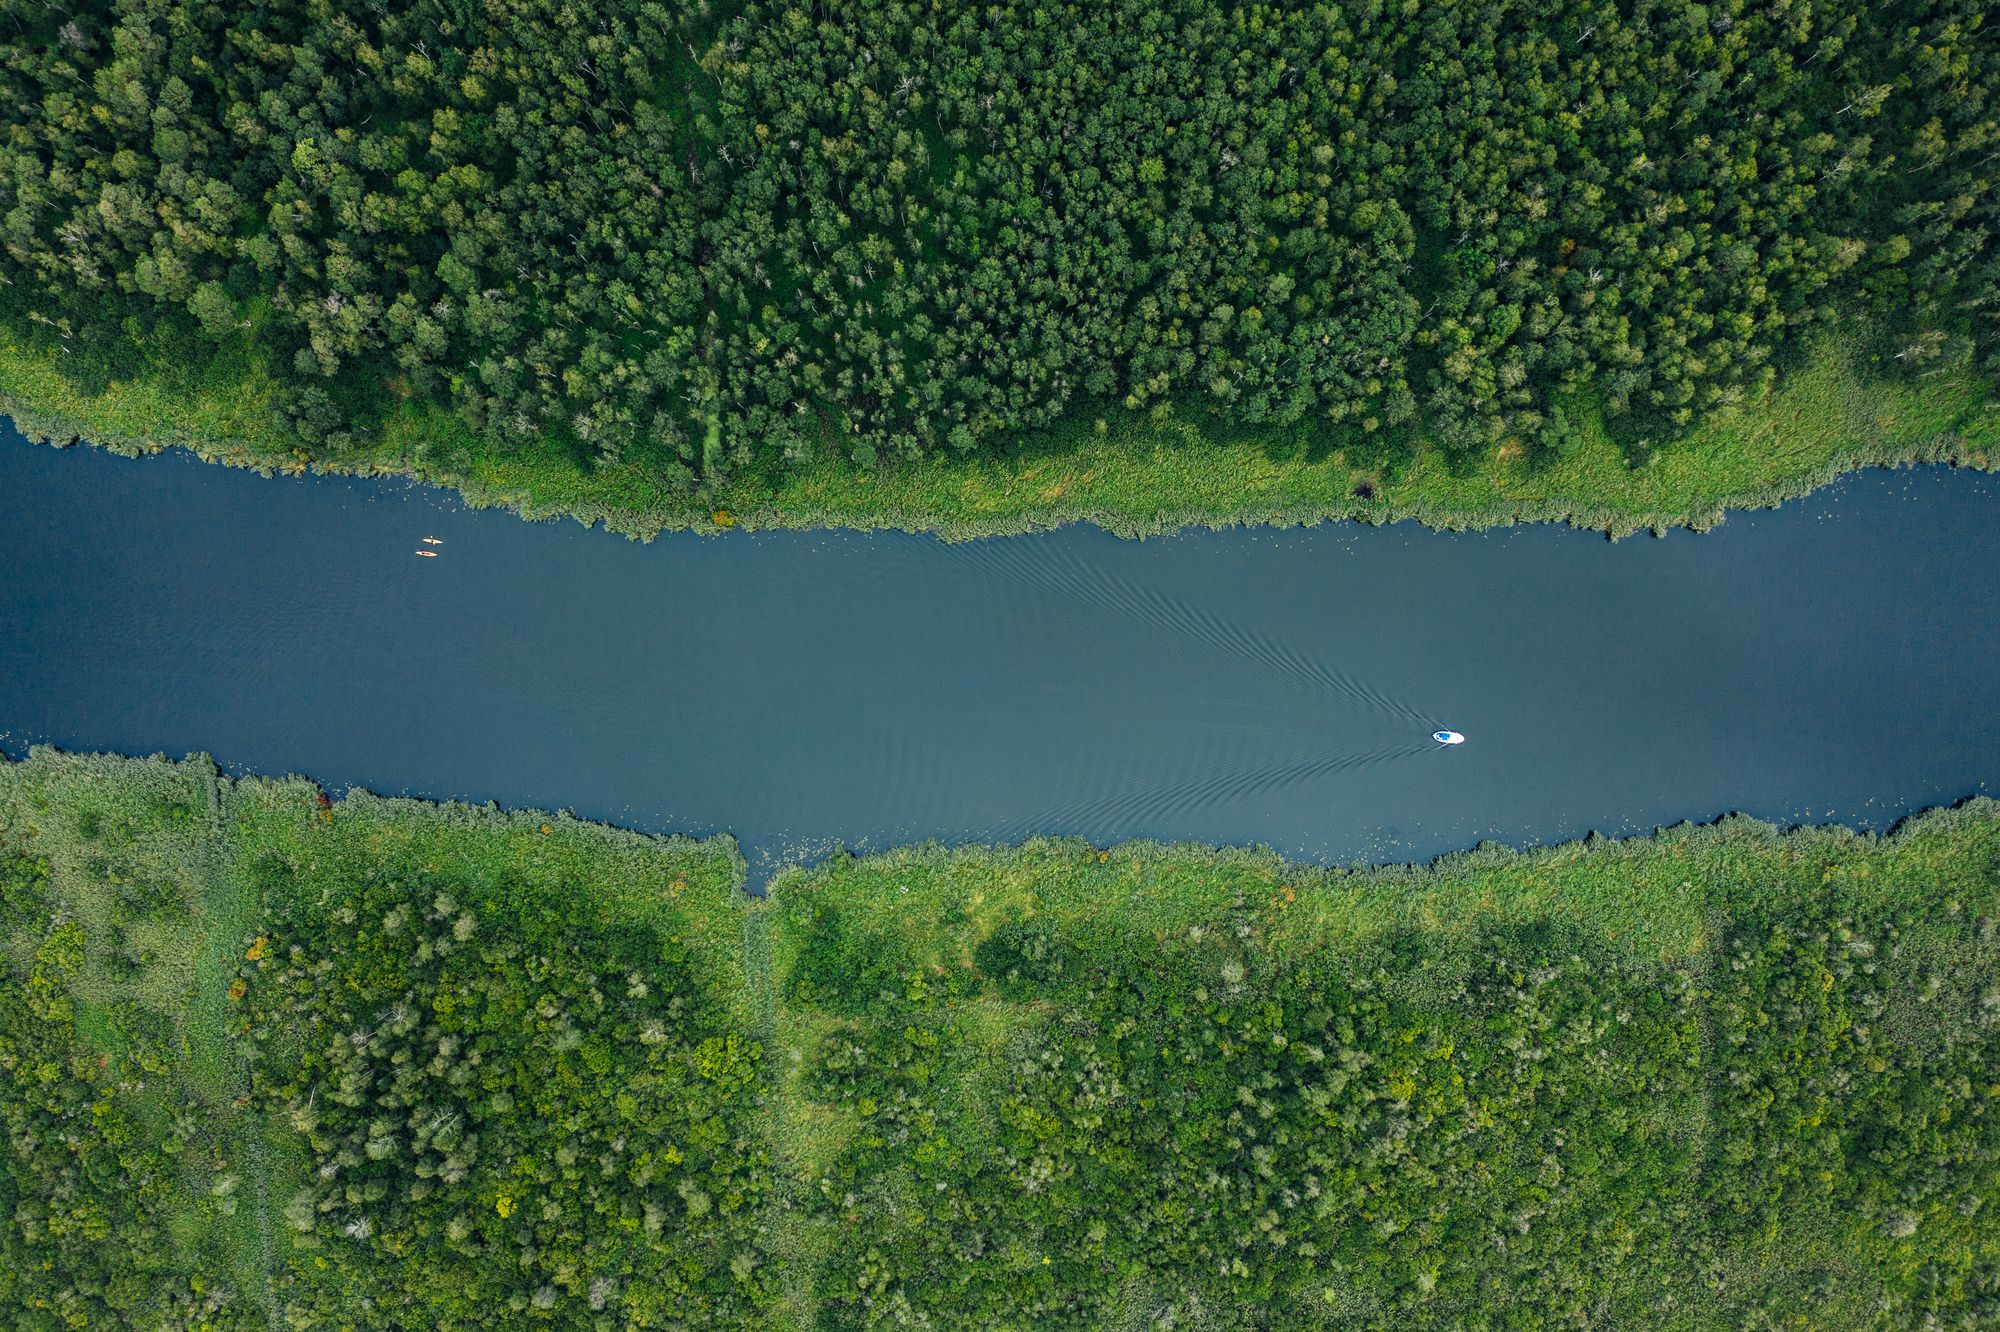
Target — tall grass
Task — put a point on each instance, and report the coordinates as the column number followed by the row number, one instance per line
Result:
column 890, row 950
column 165, row 863
column 1767, row 1135
column 133, row 851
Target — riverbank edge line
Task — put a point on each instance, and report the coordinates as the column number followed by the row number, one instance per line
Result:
column 1134, row 478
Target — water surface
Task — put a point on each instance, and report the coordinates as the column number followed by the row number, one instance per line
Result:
column 1831, row 660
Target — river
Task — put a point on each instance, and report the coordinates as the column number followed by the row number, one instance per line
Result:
column 1834, row 659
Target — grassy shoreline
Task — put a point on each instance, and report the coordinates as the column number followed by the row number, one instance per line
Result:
column 1133, row 477
column 1034, row 984
column 1006, row 1086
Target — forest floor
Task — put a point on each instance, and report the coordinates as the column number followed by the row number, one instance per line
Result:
column 1128, row 474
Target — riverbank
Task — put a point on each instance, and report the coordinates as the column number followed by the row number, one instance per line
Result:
column 1226, row 687
column 1710, row 1078
column 1134, row 476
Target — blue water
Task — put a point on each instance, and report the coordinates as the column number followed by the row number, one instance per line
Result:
column 1830, row 660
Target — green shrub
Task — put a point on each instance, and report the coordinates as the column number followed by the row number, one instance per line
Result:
column 504, row 1114
column 382, row 1064
column 94, row 1146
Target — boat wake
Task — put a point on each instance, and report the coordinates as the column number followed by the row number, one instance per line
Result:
column 1118, row 814
column 1254, row 717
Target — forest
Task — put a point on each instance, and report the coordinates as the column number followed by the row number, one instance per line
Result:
column 371, row 1063
column 711, row 239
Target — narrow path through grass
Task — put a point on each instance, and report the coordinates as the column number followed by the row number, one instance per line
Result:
column 227, row 912
column 791, row 1235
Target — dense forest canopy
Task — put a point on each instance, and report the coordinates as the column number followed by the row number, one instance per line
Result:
column 719, row 234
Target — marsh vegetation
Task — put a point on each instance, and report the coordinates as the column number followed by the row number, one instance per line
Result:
column 377, row 1063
